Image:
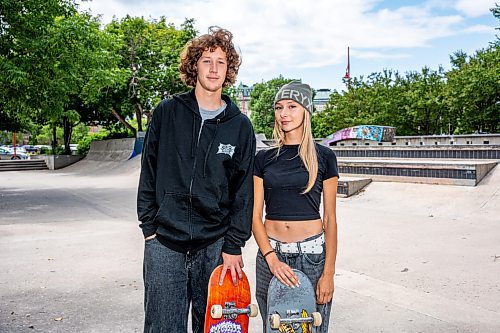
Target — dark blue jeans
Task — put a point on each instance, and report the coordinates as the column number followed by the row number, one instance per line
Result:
column 311, row 264
column 174, row 280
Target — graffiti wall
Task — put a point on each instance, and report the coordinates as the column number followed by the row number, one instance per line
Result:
column 364, row 132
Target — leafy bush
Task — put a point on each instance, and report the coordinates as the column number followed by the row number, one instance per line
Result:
column 59, row 150
column 118, row 131
column 45, row 151
column 85, row 142
column 48, row 151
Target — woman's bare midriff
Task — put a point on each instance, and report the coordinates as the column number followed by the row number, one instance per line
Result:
column 293, row 231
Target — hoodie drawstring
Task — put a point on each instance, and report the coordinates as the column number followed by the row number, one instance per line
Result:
column 209, row 148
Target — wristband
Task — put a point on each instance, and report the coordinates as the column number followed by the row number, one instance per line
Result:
column 268, row 253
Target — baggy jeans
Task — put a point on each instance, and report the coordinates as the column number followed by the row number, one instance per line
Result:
column 311, row 264
column 173, row 280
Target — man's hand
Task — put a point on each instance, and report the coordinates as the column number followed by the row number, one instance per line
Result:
column 233, row 263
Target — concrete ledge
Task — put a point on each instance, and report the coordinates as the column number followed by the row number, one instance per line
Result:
column 436, row 152
column 349, row 186
column 419, row 141
column 449, row 172
column 55, row 162
column 428, row 140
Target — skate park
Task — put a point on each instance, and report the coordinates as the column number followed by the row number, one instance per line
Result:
column 418, row 240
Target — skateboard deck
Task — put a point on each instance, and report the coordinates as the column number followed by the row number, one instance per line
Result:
column 292, row 309
column 228, row 306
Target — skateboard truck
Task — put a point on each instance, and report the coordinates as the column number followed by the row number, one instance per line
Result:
column 293, row 318
column 292, row 309
column 229, row 311
column 228, row 306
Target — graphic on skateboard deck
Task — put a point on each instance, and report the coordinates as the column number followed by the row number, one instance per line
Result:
column 292, row 310
column 228, row 306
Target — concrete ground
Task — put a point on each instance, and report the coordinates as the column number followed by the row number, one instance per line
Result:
column 412, row 257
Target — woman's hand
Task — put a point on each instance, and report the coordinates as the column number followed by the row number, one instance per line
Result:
column 325, row 289
column 282, row 271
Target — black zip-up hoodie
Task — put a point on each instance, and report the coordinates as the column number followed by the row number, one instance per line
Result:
column 197, row 187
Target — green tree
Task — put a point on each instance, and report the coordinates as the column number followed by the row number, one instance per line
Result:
column 24, row 25
column 59, row 68
column 45, row 135
column 425, row 107
column 83, row 52
column 376, row 100
column 261, row 104
column 147, row 70
column 473, row 91
column 53, row 53
column 335, row 116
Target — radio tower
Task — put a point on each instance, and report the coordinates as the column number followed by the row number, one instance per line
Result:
column 347, row 75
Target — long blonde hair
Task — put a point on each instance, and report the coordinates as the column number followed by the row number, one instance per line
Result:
column 307, row 148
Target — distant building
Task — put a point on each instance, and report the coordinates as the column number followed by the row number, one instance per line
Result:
column 243, row 98
column 321, row 98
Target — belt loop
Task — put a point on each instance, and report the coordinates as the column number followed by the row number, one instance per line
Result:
column 299, row 248
column 278, row 247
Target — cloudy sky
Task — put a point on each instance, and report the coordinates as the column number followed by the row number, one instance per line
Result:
column 308, row 40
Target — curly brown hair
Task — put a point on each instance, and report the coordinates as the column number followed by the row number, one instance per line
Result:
column 216, row 37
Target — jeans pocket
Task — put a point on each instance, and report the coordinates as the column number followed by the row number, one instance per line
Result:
column 314, row 259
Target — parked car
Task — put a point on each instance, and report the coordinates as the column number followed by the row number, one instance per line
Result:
column 43, row 146
column 8, row 154
column 43, row 149
column 19, row 149
column 30, row 149
column 73, row 147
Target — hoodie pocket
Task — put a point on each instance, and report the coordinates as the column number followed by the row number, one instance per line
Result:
column 173, row 212
column 207, row 209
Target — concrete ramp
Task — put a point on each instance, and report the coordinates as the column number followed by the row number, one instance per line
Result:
column 104, row 169
column 108, row 157
column 112, row 150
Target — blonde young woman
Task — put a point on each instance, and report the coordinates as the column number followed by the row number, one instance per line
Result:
column 290, row 179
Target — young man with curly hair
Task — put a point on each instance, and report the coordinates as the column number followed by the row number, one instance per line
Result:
column 195, row 193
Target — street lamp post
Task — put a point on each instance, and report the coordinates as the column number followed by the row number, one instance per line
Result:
column 14, row 143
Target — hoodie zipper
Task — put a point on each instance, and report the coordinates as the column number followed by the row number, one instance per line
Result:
column 191, row 184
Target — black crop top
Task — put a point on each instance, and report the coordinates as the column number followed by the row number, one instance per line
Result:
column 285, row 178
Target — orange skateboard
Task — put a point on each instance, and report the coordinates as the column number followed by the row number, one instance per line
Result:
column 228, row 306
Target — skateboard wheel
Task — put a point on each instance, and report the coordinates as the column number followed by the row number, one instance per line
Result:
column 316, row 319
column 254, row 310
column 275, row 321
column 216, row 311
